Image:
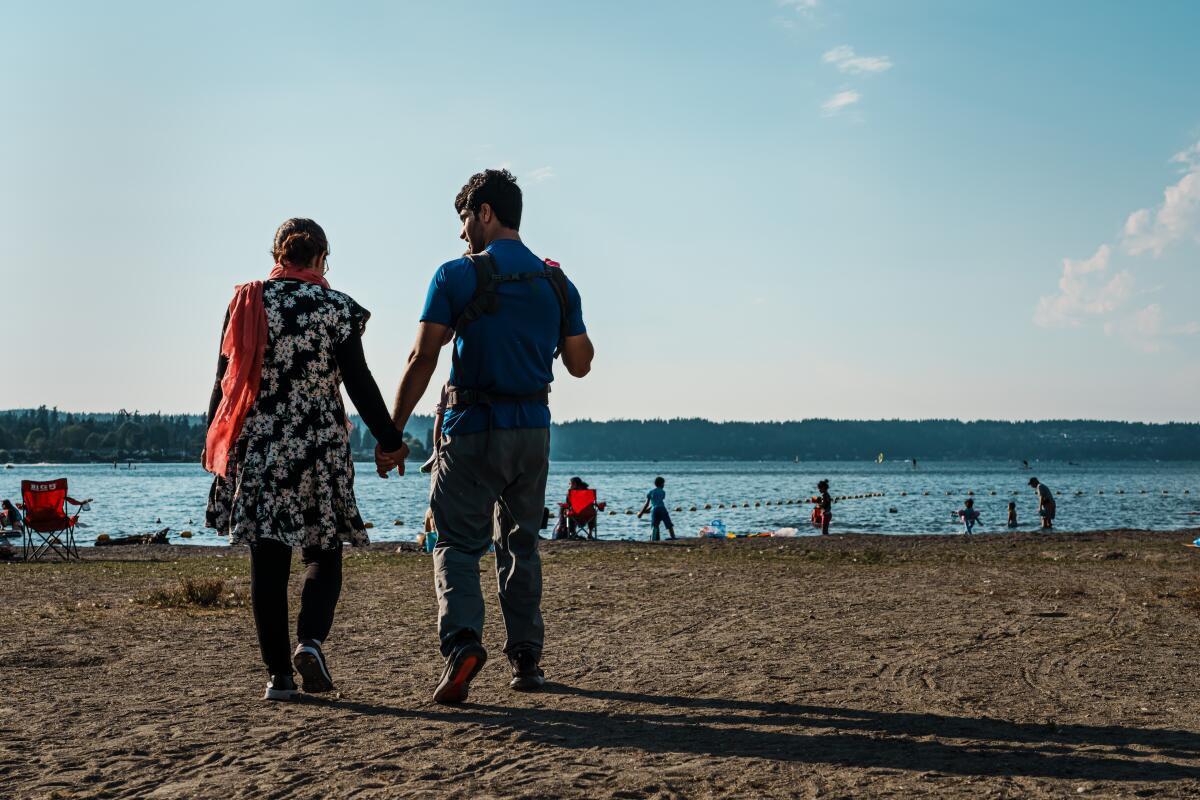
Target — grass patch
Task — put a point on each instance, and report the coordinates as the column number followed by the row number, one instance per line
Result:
column 196, row 592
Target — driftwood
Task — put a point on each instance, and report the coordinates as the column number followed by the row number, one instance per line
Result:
column 155, row 537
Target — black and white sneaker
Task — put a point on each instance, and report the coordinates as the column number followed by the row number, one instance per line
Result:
column 281, row 687
column 309, row 661
column 462, row 665
column 527, row 676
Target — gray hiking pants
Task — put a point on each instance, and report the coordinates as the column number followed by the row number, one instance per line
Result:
column 485, row 488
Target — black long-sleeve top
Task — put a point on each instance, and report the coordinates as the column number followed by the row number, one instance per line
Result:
column 360, row 385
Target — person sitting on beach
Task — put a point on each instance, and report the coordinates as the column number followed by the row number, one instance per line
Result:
column 1012, row 515
column 1046, row 504
column 656, row 504
column 826, row 504
column 969, row 516
column 279, row 446
column 10, row 517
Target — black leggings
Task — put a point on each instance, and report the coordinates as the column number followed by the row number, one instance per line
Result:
column 270, row 566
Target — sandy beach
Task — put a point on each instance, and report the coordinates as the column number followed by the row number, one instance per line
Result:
column 1004, row 666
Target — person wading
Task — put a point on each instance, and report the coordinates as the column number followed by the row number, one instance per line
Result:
column 279, row 446
column 509, row 314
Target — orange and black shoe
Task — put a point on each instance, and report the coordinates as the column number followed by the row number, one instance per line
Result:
column 462, row 665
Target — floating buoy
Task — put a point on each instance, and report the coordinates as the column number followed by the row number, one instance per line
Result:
column 948, row 494
column 629, row 512
column 745, row 505
column 893, row 510
column 720, row 505
column 679, row 508
column 693, row 508
column 185, row 534
column 1101, row 492
column 768, row 502
column 368, row 524
column 612, row 513
column 1165, row 491
column 1120, row 491
column 102, row 537
column 993, row 492
column 924, row 494
column 971, row 493
column 1143, row 491
column 400, row 522
column 707, row 506
column 904, row 494
column 757, row 504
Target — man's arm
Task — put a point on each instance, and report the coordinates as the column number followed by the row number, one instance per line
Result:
column 577, row 355
column 422, row 362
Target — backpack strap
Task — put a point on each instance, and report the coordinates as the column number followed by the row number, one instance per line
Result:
column 558, row 282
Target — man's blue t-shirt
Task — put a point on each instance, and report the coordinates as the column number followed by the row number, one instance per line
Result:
column 657, row 497
column 510, row 351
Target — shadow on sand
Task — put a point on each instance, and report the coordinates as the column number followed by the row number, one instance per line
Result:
column 978, row 746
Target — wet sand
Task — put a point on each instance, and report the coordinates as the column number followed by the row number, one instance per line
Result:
column 1004, row 666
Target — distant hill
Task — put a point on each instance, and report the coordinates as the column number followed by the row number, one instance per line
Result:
column 44, row 434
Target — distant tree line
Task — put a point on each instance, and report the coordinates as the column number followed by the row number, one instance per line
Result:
column 824, row 439
column 46, row 434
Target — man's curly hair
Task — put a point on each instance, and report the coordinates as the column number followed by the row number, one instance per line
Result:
column 496, row 187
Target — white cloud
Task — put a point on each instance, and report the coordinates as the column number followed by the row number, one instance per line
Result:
column 799, row 6
column 1177, row 218
column 541, row 174
column 1084, row 290
column 840, row 101
column 844, row 58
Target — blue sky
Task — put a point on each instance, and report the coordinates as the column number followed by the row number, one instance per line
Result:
column 773, row 210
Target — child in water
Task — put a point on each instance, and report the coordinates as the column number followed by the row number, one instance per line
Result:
column 656, row 504
column 969, row 516
column 826, row 506
column 1012, row 515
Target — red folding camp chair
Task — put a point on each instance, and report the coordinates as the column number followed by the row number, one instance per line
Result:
column 580, row 511
column 48, row 527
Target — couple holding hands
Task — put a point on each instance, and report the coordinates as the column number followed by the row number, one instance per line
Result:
column 278, row 443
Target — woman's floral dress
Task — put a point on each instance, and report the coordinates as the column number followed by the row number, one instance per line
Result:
column 290, row 474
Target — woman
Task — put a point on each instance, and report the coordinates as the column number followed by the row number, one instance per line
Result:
column 278, row 444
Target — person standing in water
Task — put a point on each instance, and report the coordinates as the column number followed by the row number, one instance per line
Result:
column 656, row 504
column 969, row 516
column 826, row 502
column 1012, row 515
column 1046, row 504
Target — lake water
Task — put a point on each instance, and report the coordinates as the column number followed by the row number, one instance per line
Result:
column 152, row 496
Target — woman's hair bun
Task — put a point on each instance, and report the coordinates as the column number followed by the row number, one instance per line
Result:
column 298, row 241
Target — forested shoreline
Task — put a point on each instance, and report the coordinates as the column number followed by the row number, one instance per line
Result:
column 46, row 434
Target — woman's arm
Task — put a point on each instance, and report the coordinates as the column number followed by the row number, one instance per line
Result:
column 364, row 393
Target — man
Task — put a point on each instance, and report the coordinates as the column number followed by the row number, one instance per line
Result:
column 1045, row 503
column 507, row 312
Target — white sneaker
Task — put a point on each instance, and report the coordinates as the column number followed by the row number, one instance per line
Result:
column 281, row 687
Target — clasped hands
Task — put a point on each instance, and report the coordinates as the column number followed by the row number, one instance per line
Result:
column 386, row 461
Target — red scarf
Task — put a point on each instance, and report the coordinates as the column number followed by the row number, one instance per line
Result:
column 244, row 344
